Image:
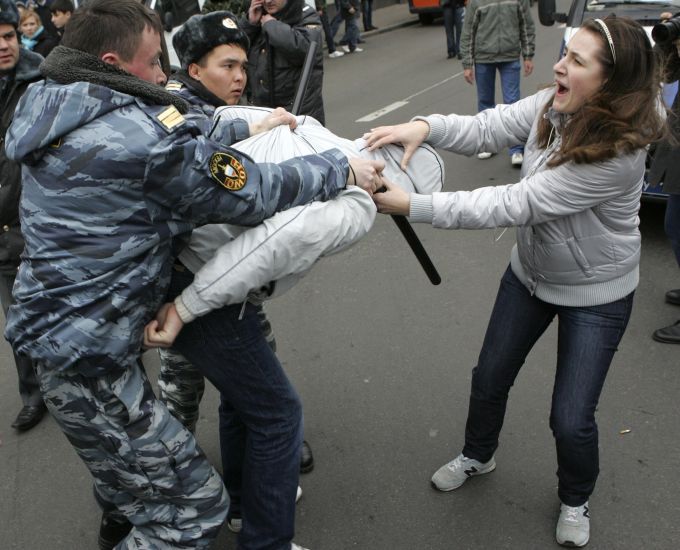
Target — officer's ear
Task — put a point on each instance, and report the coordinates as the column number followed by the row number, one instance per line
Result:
column 111, row 58
column 194, row 71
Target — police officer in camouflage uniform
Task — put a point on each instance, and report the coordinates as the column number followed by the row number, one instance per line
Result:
column 18, row 68
column 114, row 169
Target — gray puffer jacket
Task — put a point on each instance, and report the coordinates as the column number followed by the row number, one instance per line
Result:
column 578, row 242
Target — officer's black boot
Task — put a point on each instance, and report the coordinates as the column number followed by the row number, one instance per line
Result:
column 111, row 531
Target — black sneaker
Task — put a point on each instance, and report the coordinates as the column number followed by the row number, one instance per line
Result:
column 306, row 459
column 111, row 532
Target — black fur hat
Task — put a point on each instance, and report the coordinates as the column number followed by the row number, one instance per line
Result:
column 201, row 33
column 9, row 15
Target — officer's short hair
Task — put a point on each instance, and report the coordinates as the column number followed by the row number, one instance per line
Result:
column 64, row 6
column 102, row 26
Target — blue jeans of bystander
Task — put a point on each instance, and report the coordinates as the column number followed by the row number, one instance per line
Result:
column 587, row 340
column 453, row 25
column 485, row 75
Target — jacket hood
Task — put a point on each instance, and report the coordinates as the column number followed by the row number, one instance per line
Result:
column 291, row 13
column 79, row 88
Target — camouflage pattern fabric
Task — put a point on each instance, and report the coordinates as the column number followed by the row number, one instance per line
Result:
column 181, row 385
column 108, row 182
column 145, row 464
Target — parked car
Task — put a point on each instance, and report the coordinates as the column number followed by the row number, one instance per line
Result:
column 646, row 12
column 427, row 10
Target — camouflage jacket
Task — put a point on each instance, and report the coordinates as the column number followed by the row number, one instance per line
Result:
column 109, row 179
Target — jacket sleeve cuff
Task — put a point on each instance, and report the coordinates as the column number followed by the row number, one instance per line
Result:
column 183, row 311
column 421, row 210
column 437, row 129
column 228, row 132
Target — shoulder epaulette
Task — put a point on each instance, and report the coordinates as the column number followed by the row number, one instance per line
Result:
column 170, row 118
column 174, row 86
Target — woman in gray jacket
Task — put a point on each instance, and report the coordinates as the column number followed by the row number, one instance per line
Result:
column 578, row 244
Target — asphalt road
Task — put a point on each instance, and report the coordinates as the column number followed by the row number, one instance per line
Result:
column 382, row 360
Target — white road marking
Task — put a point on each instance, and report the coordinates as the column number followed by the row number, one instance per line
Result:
column 399, row 104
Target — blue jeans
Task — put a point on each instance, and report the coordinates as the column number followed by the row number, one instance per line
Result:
column 672, row 224
column 587, row 340
column 453, row 25
column 260, row 418
column 351, row 32
column 485, row 75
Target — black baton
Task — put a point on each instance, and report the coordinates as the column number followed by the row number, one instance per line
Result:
column 401, row 221
column 418, row 248
column 304, row 79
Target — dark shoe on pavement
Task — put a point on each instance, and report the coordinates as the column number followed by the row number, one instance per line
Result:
column 459, row 56
column 235, row 523
column 29, row 417
column 673, row 297
column 306, row 459
column 668, row 335
column 111, row 532
column 450, row 55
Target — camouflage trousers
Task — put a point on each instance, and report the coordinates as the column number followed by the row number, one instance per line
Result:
column 147, row 467
column 181, row 385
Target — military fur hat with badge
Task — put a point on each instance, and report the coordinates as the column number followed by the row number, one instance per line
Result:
column 9, row 15
column 204, row 32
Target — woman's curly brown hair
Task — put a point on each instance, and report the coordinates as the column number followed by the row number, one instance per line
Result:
column 626, row 113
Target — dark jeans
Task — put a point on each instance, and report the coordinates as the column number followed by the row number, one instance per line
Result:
column 260, row 418
column 453, row 25
column 485, row 75
column 587, row 340
column 367, row 14
column 330, row 43
column 672, row 224
column 29, row 389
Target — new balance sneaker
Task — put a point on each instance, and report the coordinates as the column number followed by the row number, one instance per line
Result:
column 455, row 473
column 345, row 48
column 356, row 50
column 517, row 159
column 336, row 53
column 294, row 546
column 573, row 526
column 484, row 155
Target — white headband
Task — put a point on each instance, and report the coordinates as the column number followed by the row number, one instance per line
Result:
column 609, row 37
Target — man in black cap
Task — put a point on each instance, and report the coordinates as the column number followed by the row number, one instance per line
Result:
column 18, row 68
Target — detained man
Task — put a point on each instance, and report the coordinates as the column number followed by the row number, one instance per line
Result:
column 260, row 412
